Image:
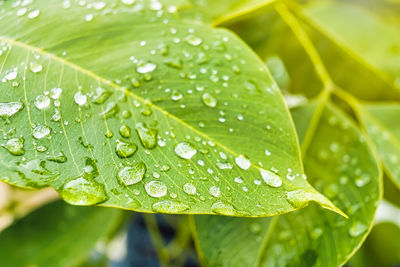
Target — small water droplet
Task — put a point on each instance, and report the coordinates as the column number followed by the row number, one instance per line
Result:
column 101, row 95
column 41, row 131
column 111, row 109
column 125, row 149
column 169, row 206
column 357, row 229
column 35, row 67
column 185, row 150
column 9, row 109
column 109, row 134
column 224, row 165
column 55, row 93
column 223, row 208
column 193, row 40
column 209, row 100
column 146, row 67
column 243, row 162
column 125, row 131
column 215, row 191
column 156, row 189
column 80, row 99
column 189, row 189
column 42, row 102
column 59, row 158
column 176, row 95
column 147, row 136
column 130, row 175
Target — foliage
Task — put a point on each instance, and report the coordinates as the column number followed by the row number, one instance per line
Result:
column 181, row 107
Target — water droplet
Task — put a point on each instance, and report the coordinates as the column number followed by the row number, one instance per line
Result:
column 222, row 208
column 125, row 149
column 9, row 109
column 185, row 150
column 130, row 175
column 128, row 2
column 59, row 158
column 41, row 131
column 224, row 165
column 15, row 146
column 174, row 62
column 215, row 191
column 193, row 40
column 35, row 67
column 147, row 136
column 156, row 189
column 80, row 99
column 169, row 206
column 42, row 102
column 111, row 109
column 176, row 95
column 357, row 229
column 243, row 162
column 101, row 95
column 109, row 134
column 360, row 181
column 33, row 14
column 209, row 100
column 11, row 75
column 271, row 178
column 82, row 191
column 55, row 93
column 125, row 131
column 189, row 189
column 146, row 67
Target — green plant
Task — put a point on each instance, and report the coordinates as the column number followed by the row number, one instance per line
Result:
column 179, row 107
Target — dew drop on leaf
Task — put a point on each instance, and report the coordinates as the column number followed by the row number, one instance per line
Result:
column 215, row 191
column 189, row 189
column 222, row 208
column 9, row 109
column 148, row 137
column 209, row 100
column 41, row 131
column 169, row 206
column 130, row 175
column 185, row 150
column 35, row 67
column 80, row 99
column 59, row 158
column 357, row 229
column 156, row 189
column 146, row 67
column 101, row 95
column 15, row 146
column 83, row 192
column 243, row 162
column 42, row 102
column 125, row 149
column 193, row 40
column 125, row 131
column 271, row 178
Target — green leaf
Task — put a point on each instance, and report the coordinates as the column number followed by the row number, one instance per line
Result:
column 56, row 234
column 341, row 164
column 380, row 121
column 220, row 11
column 129, row 107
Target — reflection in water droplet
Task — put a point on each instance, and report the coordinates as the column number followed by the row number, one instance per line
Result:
column 9, row 109
column 271, row 178
column 42, row 102
column 169, row 206
column 222, row 208
column 357, row 229
column 41, row 131
column 243, row 162
column 130, row 175
column 15, row 146
column 209, row 100
column 185, row 150
column 189, row 189
column 125, row 149
column 156, row 189
column 82, row 191
column 147, row 136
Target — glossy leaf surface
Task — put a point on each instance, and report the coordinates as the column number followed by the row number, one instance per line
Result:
column 142, row 111
column 341, row 164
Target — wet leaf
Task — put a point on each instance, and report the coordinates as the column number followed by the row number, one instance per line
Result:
column 56, row 234
column 380, row 123
column 340, row 163
column 141, row 104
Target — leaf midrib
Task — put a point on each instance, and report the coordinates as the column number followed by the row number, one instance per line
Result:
column 117, row 87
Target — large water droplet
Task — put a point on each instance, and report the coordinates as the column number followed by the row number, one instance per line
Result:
column 9, row 109
column 125, row 131
column 101, row 95
column 222, row 208
column 111, row 109
column 185, row 150
column 156, row 189
column 41, row 131
column 125, row 149
column 130, row 175
column 209, row 100
column 243, row 162
column 271, row 178
column 147, row 136
column 189, row 189
column 59, row 158
column 83, row 192
column 80, row 99
column 169, row 206
column 15, row 146
column 215, row 191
